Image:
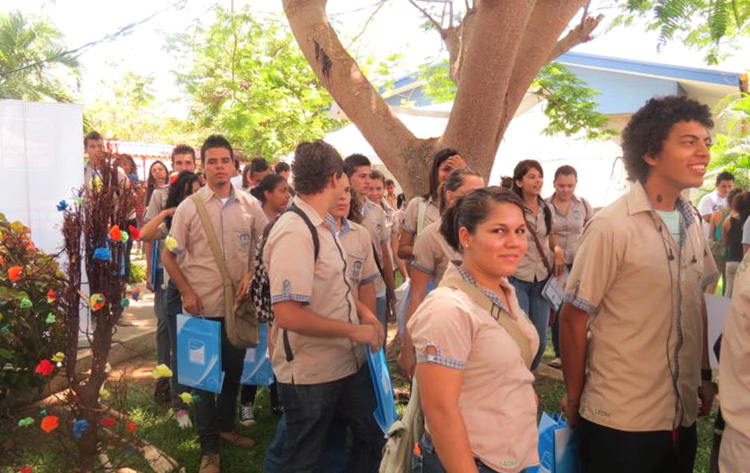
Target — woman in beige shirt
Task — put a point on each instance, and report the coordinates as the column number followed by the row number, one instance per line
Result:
column 474, row 345
column 432, row 254
column 543, row 256
column 422, row 211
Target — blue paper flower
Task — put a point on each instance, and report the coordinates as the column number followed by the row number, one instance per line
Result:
column 103, row 254
column 79, row 427
column 62, row 205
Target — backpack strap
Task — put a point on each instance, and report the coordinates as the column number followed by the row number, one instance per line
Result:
column 213, row 242
column 316, row 250
column 497, row 313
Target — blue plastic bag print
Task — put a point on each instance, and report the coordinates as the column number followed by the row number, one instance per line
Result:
column 558, row 447
column 199, row 353
column 385, row 412
column 257, row 370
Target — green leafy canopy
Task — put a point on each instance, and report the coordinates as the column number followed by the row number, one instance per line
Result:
column 249, row 80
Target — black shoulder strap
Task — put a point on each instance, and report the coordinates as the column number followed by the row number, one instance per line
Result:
column 313, row 231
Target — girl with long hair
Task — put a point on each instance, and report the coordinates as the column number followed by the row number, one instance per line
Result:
column 543, row 259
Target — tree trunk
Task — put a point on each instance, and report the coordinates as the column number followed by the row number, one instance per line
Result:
column 496, row 52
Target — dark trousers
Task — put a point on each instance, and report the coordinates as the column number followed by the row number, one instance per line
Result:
column 216, row 413
column 173, row 301
column 606, row 450
column 310, row 412
column 163, row 345
column 249, row 391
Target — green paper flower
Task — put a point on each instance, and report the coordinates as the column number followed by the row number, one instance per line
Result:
column 26, row 303
column 51, row 319
column 25, row 422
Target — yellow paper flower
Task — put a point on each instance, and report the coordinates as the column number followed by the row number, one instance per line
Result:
column 103, row 394
column 187, row 398
column 58, row 357
column 162, row 371
column 171, row 243
column 97, row 183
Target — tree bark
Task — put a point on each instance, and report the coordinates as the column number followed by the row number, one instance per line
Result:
column 481, row 100
column 342, row 77
column 495, row 52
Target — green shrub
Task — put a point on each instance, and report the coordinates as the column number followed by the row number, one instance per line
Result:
column 30, row 324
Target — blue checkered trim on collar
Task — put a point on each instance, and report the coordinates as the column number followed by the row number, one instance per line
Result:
column 345, row 227
column 492, row 296
column 687, row 218
column 331, row 223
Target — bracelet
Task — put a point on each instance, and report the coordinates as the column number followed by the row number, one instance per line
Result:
column 706, row 375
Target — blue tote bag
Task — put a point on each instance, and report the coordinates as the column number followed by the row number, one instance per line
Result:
column 385, row 412
column 199, row 353
column 558, row 446
column 257, row 370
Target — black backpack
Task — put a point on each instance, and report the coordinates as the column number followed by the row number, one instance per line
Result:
column 260, row 286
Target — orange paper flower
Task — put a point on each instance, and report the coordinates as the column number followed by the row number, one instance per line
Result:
column 132, row 427
column 115, row 234
column 14, row 273
column 45, row 368
column 49, row 423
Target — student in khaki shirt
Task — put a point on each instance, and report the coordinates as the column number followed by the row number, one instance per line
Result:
column 238, row 221
column 734, row 377
column 356, row 241
column 536, row 268
column 416, row 219
column 633, row 327
column 358, row 169
column 320, row 330
column 432, row 255
column 475, row 386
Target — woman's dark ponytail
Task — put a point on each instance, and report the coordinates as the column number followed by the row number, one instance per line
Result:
column 449, row 226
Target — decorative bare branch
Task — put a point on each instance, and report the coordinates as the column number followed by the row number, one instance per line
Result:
column 578, row 35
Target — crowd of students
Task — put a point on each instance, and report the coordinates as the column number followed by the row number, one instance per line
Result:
column 631, row 335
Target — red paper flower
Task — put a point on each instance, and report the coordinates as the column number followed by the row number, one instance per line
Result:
column 132, row 427
column 45, row 368
column 173, row 178
column 51, row 296
column 134, row 232
column 107, row 422
column 14, row 273
column 25, row 470
column 49, row 424
column 115, row 234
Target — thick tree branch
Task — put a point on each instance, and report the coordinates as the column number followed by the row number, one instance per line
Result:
column 579, row 34
column 485, row 77
column 341, row 76
column 548, row 21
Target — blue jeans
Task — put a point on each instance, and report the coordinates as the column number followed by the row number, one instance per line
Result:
column 532, row 302
column 380, row 307
column 216, row 413
column 173, row 301
column 429, row 462
column 311, row 411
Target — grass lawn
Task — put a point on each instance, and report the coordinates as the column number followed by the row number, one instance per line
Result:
column 157, row 426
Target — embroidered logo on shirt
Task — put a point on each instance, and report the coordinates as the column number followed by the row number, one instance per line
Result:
column 577, row 214
column 379, row 229
column 245, row 240
column 356, row 270
column 286, row 287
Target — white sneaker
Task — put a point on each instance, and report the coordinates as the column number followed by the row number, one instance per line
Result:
column 247, row 416
column 183, row 418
